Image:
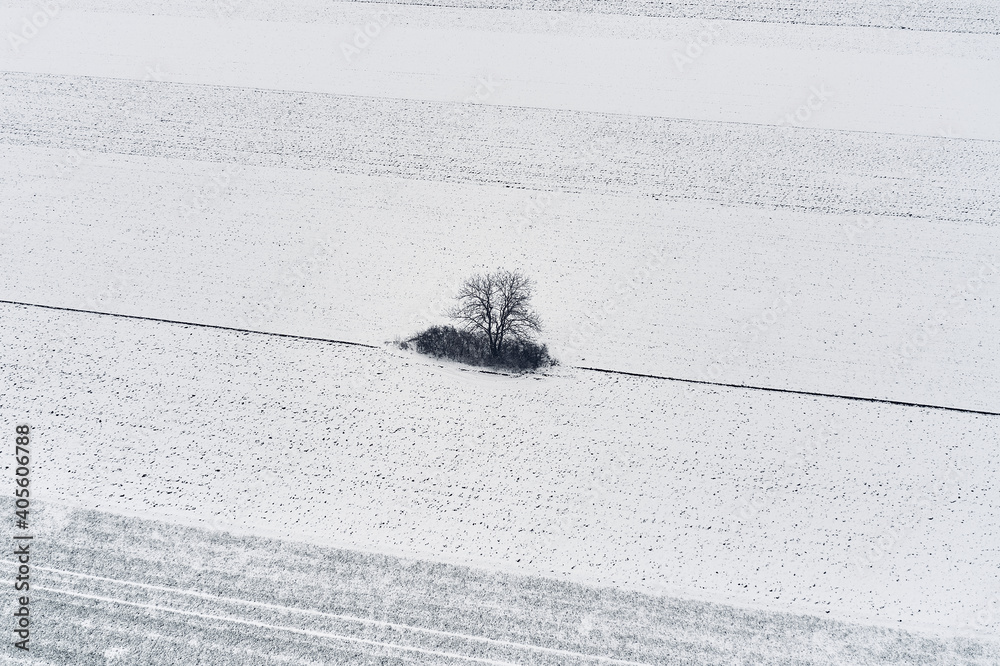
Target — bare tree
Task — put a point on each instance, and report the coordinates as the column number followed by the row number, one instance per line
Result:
column 497, row 306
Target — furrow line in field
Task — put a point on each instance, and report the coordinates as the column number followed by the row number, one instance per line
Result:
column 604, row 370
column 726, row 163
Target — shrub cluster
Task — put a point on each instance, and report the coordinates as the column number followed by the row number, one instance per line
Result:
column 472, row 349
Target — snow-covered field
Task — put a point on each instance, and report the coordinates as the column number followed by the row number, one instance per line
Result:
column 830, row 77
column 342, row 602
column 935, row 179
column 950, row 16
column 887, row 306
column 873, row 512
column 808, row 255
column 953, row 16
column 805, row 199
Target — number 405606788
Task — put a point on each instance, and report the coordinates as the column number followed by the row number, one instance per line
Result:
column 21, row 492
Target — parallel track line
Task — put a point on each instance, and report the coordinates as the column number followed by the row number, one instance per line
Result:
column 350, row 618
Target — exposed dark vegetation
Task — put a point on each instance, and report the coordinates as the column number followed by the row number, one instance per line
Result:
column 473, row 349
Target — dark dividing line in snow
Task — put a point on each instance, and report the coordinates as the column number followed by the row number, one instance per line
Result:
column 780, row 390
column 190, row 323
column 613, row 372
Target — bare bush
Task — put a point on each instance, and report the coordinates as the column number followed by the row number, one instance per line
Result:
column 472, row 348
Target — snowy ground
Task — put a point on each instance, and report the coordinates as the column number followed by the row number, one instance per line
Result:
column 170, row 594
column 829, row 77
column 885, row 306
column 810, row 255
column 805, row 200
column 950, row 16
column 871, row 512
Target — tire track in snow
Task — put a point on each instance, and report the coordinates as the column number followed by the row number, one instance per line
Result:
column 301, row 601
column 344, row 618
